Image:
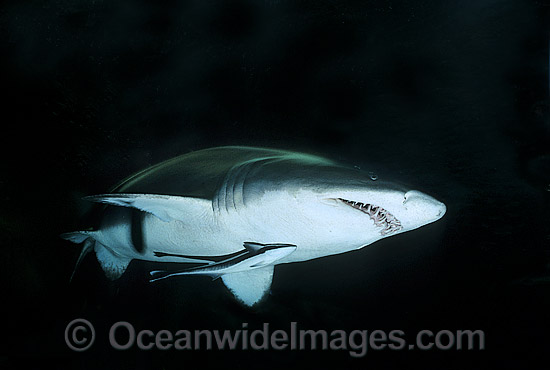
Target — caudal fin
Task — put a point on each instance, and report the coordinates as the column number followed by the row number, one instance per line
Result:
column 77, row 236
column 112, row 264
column 80, row 237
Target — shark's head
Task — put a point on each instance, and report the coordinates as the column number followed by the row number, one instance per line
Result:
column 328, row 207
column 339, row 208
column 359, row 214
column 389, row 210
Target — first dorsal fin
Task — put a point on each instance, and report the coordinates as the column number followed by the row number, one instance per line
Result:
column 165, row 207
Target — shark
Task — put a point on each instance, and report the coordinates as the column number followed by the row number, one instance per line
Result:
column 240, row 211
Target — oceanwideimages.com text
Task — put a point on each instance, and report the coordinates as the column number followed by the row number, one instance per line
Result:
column 80, row 335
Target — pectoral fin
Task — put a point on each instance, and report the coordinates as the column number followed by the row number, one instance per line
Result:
column 165, row 207
column 249, row 287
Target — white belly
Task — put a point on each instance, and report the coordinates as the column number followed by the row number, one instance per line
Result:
column 139, row 235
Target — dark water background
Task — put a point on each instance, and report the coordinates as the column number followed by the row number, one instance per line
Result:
column 451, row 96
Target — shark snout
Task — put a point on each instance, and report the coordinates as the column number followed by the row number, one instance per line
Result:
column 442, row 210
column 423, row 207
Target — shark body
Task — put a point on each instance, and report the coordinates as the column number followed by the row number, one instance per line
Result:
column 283, row 206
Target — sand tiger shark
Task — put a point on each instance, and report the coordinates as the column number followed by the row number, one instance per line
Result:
column 240, row 211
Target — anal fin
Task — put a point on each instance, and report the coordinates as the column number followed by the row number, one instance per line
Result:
column 113, row 265
column 249, row 287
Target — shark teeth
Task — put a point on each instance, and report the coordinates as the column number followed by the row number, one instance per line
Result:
column 381, row 217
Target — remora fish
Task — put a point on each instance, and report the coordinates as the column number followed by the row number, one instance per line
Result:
column 202, row 206
column 256, row 256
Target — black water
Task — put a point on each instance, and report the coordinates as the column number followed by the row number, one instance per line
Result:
column 449, row 96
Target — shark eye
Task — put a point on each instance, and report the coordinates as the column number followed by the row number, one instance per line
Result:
column 373, row 176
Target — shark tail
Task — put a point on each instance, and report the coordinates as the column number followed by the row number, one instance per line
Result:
column 79, row 237
column 112, row 264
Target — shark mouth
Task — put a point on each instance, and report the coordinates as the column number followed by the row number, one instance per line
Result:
column 379, row 215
